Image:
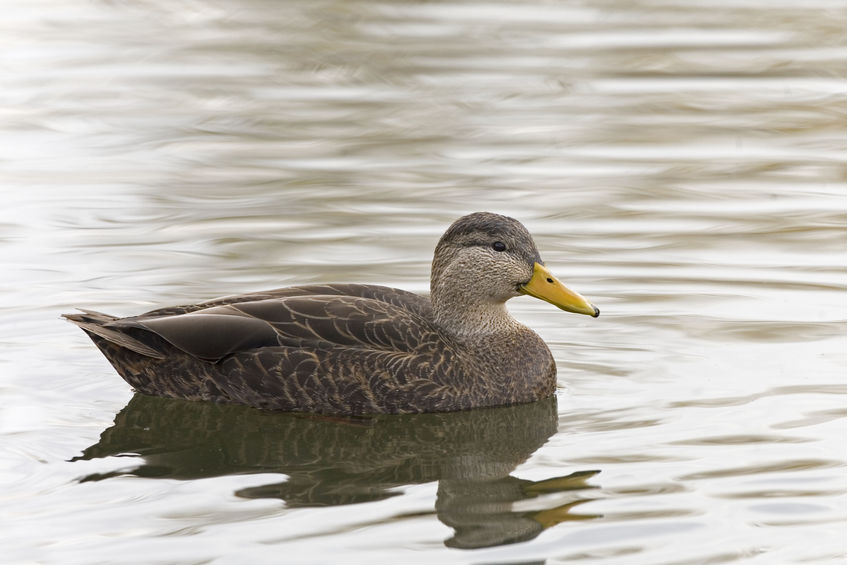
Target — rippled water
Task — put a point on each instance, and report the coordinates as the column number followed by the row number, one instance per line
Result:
column 682, row 165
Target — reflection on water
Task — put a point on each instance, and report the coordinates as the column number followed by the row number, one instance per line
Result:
column 333, row 461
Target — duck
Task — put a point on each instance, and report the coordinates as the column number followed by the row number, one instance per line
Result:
column 357, row 349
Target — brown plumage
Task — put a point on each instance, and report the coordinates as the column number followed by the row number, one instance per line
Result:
column 353, row 348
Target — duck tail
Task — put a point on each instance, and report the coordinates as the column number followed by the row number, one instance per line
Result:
column 96, row 324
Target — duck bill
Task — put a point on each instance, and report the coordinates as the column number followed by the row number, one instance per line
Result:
column 545, row 286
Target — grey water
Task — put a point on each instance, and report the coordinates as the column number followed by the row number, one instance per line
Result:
column 681, row 164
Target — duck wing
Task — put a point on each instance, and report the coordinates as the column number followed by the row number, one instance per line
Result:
column 300, row 321
column 400, row 298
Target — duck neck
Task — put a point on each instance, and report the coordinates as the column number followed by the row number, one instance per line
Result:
column 467, row 317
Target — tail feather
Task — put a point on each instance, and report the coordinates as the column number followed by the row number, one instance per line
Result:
column 94, row 323
column 94, row 315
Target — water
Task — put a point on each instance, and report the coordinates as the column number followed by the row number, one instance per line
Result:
column 681, row 165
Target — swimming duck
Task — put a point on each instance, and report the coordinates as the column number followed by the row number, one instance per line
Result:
column 357, row 349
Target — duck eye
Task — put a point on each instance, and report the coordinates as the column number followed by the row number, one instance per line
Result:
column 498, row 246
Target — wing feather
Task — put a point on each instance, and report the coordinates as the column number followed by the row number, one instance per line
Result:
column 400, row 298
column 313, row 321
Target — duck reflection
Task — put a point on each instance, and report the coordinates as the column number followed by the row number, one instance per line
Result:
column 332, row 461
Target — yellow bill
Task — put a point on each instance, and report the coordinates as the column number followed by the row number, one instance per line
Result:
column 545, row 286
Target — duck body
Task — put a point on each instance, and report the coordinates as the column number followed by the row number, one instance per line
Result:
column 336, row 349
column 352, row 348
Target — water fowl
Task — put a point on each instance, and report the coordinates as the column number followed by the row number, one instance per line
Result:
column 357, row 349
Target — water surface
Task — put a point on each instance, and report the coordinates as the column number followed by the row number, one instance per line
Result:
column 683, row 166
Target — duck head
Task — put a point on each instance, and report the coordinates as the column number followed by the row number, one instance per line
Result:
column 484, row 259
